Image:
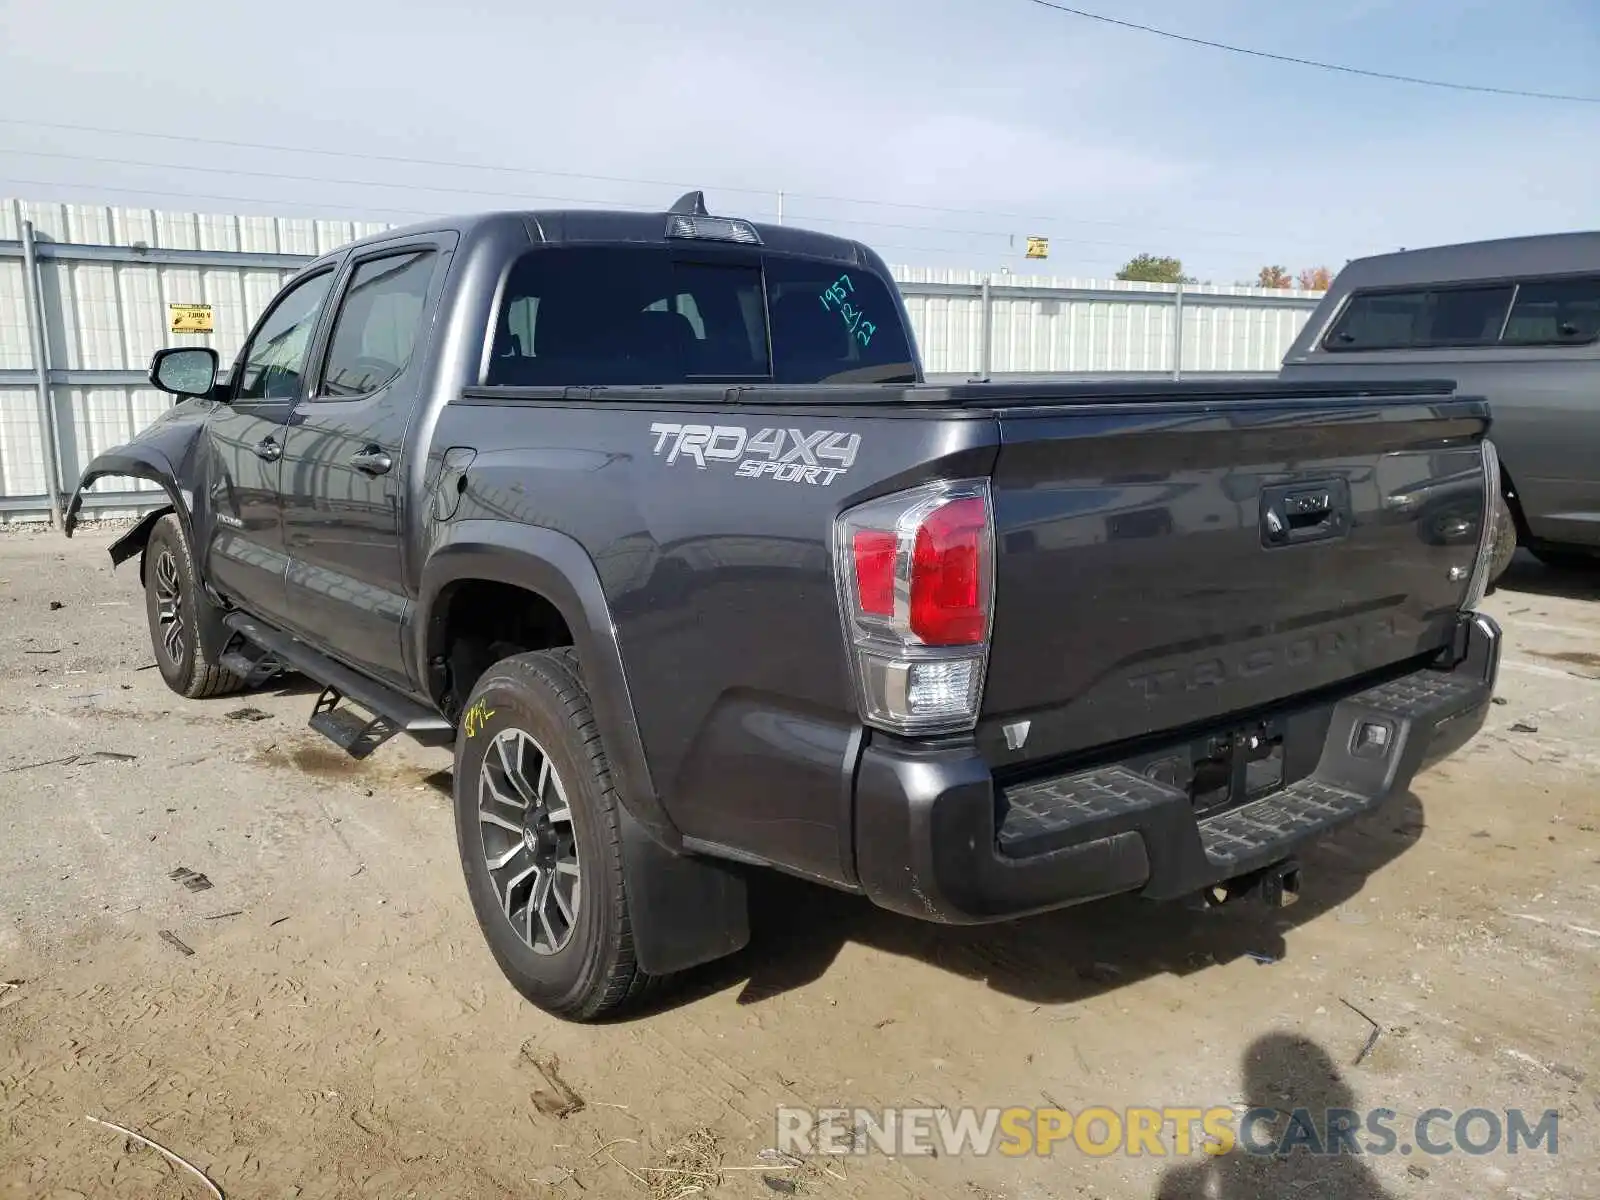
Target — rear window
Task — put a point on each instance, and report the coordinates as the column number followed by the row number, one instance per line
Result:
column 1530, row 312
column 642, row 316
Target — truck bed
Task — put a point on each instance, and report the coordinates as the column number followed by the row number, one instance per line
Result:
column 999, row 395
column 1135, row 598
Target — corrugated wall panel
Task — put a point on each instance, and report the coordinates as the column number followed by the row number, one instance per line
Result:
column 94, row 420
column 102, row 225
column 22, row 470
column 1083, row 333
column 135, row 225
column 16, row 353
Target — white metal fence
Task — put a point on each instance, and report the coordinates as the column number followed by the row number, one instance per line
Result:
column 85, row 289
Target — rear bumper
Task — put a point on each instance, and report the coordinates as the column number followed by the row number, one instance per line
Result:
column 937, row 838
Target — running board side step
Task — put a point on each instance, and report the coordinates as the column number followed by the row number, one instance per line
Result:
column 346, row 729
column 254, row 668
column 392, row 711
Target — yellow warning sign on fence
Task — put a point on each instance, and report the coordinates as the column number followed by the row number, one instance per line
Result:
column 1038, row 247
column 190, row 318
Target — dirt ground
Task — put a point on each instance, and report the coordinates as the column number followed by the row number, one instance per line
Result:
column 339, row 1029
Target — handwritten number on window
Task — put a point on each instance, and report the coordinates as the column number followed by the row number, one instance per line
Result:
column 837, row 296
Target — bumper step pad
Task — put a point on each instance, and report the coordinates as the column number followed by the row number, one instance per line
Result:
column 1074, row 808
column 1057, row 812
column 1240, row 835
column 1186, row 847
column 1420, row 696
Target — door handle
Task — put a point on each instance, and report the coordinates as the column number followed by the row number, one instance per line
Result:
column 1293, row 513
column 372, row 461
column 269, row 450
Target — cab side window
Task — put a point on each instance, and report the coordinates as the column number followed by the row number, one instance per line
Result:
column 1526, row 312
column 275, row 362
column 379, row 322
column 1453, row 316
column 1555, row 312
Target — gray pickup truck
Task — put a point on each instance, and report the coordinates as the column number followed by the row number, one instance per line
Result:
column 653, row 519
column 1516, row 321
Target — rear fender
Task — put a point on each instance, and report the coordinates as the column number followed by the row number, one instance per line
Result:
column 555, row 566
column 684, row 909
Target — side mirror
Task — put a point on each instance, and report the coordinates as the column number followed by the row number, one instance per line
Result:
column 185, row 370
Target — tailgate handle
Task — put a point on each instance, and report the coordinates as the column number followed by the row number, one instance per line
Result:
column 1304, row 512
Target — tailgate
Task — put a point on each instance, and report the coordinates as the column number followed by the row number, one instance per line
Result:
column 1165, row 565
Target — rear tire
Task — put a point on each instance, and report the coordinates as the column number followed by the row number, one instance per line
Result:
column 172, row 600
column 537, row 827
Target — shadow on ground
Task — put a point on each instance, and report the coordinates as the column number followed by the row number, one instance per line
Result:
column 292, row 683
column 799, row 929
column 1296, row 1079
column 1528, row 575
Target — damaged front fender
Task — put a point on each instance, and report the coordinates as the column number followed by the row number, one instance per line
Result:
column 166, row 452
column 170, row 452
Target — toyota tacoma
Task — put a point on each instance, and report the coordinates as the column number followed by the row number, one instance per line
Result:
column 653, row 518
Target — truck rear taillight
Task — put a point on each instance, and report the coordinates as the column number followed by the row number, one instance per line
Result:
column 915, row 573
column 1478, row 585
column 874, row 566
column 949, row 601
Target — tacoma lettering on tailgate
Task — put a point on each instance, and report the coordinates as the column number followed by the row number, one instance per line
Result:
column 1263, row 660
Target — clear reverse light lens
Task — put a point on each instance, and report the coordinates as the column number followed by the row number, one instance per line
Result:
column 940, row 688
column 914, row 695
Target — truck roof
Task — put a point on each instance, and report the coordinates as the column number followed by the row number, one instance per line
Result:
column 1543, row 254
column 557, row 226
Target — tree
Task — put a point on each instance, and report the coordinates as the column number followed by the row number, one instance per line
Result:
column 1151, row 268
column 1315, row 279
column 1274, row 277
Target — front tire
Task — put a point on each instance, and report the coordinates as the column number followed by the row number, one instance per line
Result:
column 537, row 827
column 172, row 599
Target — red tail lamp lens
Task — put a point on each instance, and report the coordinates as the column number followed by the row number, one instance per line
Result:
column 947, row 594
column 874, row 553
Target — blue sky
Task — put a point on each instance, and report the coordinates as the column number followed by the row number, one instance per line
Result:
column 873, row 116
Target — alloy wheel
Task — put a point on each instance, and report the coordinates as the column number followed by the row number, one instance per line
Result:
column 169, row 605
column 529, row 844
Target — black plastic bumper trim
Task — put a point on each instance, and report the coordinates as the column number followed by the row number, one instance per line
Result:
column 937, row 838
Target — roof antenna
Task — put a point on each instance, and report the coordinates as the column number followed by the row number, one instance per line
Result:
column 691, row 204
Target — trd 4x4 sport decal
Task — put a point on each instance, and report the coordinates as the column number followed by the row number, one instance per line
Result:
column 786, row 455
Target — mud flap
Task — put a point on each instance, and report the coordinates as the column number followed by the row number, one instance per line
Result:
column 684, row 910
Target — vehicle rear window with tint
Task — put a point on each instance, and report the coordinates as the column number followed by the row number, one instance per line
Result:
column 1455, row 316
column 617, row 315
column 834, row 324
column 643, row 316
column 1555, row 312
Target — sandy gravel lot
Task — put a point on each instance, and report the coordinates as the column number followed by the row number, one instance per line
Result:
column 340, row 1030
